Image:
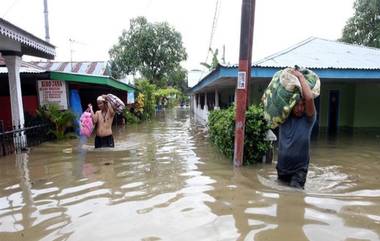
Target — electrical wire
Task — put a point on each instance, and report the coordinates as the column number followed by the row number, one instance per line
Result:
column 10, row 8
column 213, row 28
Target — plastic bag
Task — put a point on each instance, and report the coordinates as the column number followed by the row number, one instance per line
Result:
column 86, row 124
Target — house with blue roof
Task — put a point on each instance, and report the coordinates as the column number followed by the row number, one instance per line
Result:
column 350, row 82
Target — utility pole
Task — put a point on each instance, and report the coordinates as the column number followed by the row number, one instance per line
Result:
column 46, row 14
column 72, row 41
column 71, row 53
column 244, row 74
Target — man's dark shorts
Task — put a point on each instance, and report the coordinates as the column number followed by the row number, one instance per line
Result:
column 104, row 141
column 296, row 179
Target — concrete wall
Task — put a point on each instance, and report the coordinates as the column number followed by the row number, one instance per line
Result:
column 367, row 109
column 346, row 103
column 226, row 97
column 256, row 91
column 358, row 104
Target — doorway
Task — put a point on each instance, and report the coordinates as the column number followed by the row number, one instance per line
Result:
column 317, row 105
column 333, row 111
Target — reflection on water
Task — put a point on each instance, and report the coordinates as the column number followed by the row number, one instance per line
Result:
column 165, row 181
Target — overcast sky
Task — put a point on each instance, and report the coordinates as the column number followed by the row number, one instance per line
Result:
column 96, row 24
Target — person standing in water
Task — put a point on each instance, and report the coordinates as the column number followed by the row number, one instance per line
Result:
column 294, row 138
column 103, row 119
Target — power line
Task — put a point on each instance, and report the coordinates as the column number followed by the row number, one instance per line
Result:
column 10, row 7
column 213, row 28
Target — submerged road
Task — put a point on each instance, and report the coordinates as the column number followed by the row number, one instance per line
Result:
column 165, row 181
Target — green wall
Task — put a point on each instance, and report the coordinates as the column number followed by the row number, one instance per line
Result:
column 367, row 105
column 346, row 103
column 256, row 91
column 358, row 104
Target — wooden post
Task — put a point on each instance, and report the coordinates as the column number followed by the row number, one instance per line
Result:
column 244, row 74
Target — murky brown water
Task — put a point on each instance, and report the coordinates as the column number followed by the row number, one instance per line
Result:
column 164, row 181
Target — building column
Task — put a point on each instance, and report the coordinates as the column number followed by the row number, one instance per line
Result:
column 205, row 109
column 194, row 103
column 199, row 101
column 13, row 63
column 205, row 106
column 216, row 100
column 191, row 103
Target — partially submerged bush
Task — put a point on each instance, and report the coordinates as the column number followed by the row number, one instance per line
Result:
column 61, row 120
column 222, row 132
column 148, row 98
column 130, row 117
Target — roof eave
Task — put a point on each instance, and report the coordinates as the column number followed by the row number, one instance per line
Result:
column 30, row 44
column 91, row 79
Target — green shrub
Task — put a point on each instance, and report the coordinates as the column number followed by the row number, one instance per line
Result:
column 130, row 117
column 222, row 131
column 147, row 90
column 172, row 96
column 61, row 120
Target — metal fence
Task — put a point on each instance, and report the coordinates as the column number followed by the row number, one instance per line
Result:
column 19, row 138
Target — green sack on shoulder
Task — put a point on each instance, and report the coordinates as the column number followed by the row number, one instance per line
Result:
column 283, row 92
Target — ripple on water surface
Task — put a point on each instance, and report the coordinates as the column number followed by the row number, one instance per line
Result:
column 165, row 181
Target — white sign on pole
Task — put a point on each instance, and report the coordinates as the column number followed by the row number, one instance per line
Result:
column 131, row 98
column 52, row 92
column 241, row 80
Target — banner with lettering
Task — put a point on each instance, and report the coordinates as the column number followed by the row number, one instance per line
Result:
column 52, row 92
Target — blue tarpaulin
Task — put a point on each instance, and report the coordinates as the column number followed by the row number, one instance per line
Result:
column 76, row 107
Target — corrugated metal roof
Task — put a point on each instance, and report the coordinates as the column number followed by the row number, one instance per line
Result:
column 92, row 79
column 330, row 59
column 85, row 67
column 324, row 54
column 25, row 67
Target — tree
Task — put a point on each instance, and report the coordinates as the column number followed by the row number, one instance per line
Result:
column 177, row 79
column 152, row 49
column 364, row 27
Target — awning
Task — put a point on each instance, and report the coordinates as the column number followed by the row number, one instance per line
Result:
column 92, row 79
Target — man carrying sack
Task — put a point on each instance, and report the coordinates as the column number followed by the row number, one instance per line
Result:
column 296, row 122
column 103, row 118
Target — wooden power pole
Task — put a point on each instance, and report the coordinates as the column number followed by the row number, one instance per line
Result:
column 244, row 75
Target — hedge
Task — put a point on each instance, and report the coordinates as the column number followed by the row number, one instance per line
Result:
column 221, row 125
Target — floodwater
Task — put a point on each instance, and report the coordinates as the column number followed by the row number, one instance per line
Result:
column 165, row 181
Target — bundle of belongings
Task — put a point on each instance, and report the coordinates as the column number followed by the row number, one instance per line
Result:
column 117, row 104
column 284, row 91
